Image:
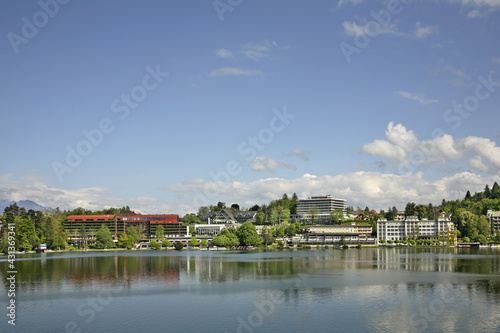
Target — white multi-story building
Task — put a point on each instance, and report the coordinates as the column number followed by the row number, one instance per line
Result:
column 325, row 205
column 442, row 230
column 494, row 221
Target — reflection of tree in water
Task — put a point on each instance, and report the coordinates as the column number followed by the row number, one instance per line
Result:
column 91, row 270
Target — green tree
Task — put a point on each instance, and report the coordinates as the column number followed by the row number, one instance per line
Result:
column 55, row 236
column 123, row 241
column 313, row 213
column 160, row 232
column 482, row 239
column 153, row 245
column 179, row 246
column 285, row 215
column 4, row 243
column 104, row 239
column 336, row 216
column 422, row 211
column 191, row 218
column 260, row 218
column 132, row 234
column 232, row 240
column 166, row 243
column 220, row 241
column 487, row 192
column 468, row 196
column 203, row 243
column 26, row 238
column 202, row 211
column 267, row 237
column 483, row 226
column 410, row 209
column 495, row 191
column 193, row 242
column 83, row 236
column 274, row 216
column 247, row 235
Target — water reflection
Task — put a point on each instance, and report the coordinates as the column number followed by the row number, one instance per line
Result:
column 372, row 289
column 209, row 267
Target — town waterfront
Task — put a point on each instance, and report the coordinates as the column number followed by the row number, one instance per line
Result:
column 354, row 290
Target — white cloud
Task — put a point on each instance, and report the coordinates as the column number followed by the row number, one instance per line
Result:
column 496, row 61
column 384, row 148
column 373, row 189
column 371, row 29
column 92, row 198
column 299, row 153
column 258, row 51
column 234, row 71
column 223, row 53
column 263, row 163
column 405, row 149
column 356, row 30
column 353, row 2
column 422, row 32
column 417, row 97
column 477, row 163
column 481, row 3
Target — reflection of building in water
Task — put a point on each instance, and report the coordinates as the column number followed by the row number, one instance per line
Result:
column 441, row 231
column 116, row 269
column 413, row 260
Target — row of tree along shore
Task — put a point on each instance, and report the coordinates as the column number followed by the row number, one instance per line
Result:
column 25, row 230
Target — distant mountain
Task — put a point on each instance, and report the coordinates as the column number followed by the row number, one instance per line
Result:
column 26, row 204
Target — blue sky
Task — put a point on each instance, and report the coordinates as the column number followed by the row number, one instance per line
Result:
column 193, row 102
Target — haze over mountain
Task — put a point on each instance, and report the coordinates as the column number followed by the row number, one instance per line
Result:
column 26, row 204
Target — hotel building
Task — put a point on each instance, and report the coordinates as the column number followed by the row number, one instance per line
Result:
column 442, row 230
column 118, row 224
column 325, row 205
column 494, row 221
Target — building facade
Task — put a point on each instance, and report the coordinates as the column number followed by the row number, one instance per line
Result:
column 494, row 221
column 76, row 225
column 209, row 229
column 228, row 216
column 325, row 205
column 442, row 230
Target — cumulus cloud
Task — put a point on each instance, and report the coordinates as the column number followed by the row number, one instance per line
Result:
column 263, row 163
column 378, row 190
column 417, row 97
column 234, row 71
column 93, row 198
column 404, row 148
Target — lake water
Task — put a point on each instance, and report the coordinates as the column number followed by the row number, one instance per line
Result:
column 355, row 290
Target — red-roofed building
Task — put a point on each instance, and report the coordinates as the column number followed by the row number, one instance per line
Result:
column 76, row 225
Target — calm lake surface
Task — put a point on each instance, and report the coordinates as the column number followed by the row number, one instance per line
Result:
column 355, row 290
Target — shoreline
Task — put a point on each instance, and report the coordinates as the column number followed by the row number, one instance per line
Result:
column 272, row 248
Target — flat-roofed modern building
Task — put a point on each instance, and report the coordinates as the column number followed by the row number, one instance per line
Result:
column 442, row 230
column 494, row 221
column 118, row 224
column 209, row 229
column 325, row 205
